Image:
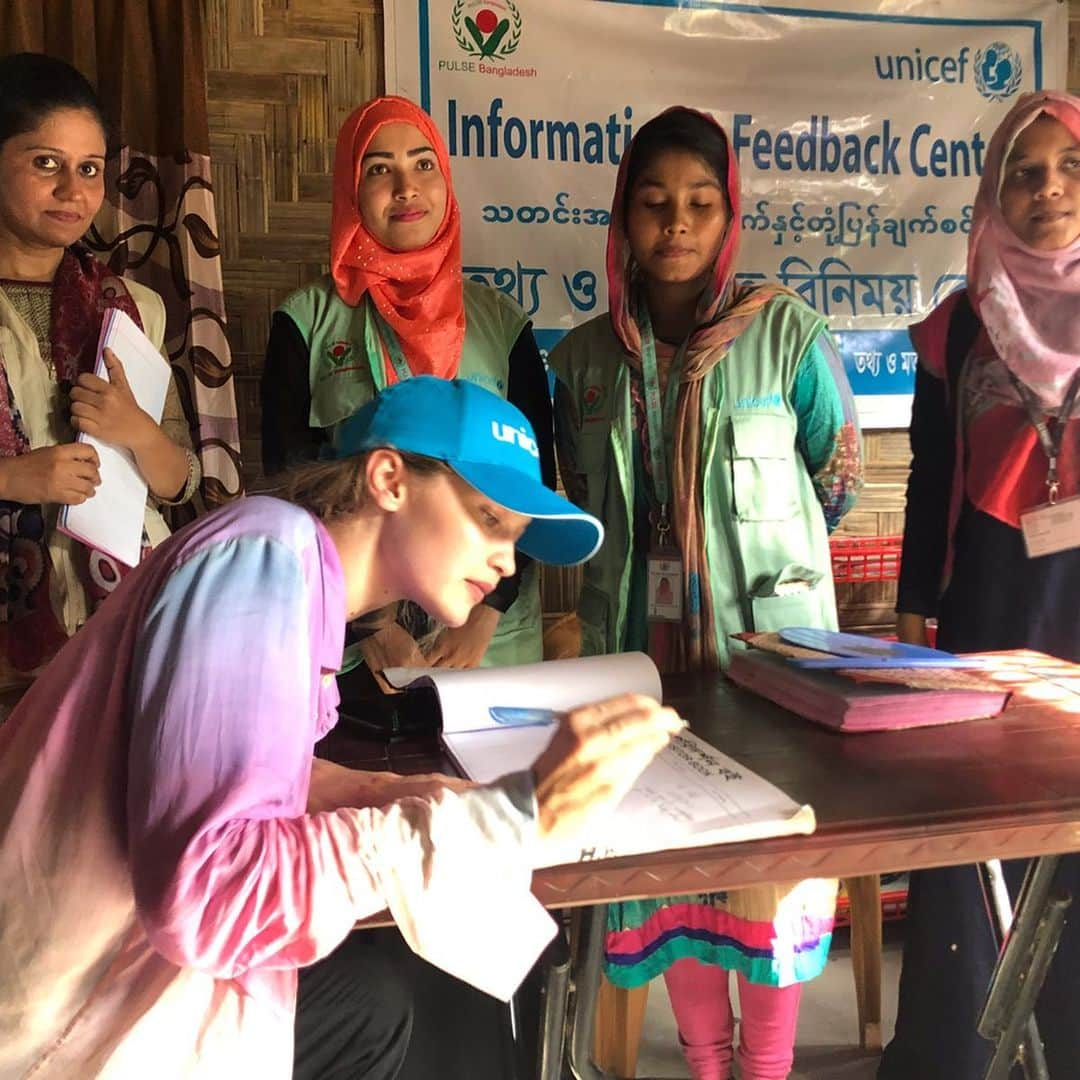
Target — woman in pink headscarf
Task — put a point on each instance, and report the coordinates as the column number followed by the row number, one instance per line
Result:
column 998, row 361
column 746, row 388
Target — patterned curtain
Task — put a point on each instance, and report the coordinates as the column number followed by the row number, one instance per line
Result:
column 158, row 223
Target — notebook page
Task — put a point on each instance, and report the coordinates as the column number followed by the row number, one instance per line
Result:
column 472, row 700
column 691, row 795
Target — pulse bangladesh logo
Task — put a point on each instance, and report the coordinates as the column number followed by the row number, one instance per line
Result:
column 997, row 71
column 339, row 352
column 490, row 30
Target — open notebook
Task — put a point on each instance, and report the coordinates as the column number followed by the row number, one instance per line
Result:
column 499, row 720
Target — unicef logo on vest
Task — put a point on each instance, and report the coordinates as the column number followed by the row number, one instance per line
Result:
column 998, row 71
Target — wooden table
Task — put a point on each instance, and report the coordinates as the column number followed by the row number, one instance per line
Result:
column 939, row 796
column 997, row 788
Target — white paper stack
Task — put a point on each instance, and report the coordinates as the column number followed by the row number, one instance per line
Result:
column 111, row 520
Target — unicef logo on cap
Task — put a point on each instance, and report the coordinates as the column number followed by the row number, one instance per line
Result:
column 997, row 71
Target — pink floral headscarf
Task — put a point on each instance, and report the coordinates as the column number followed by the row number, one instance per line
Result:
column 1028, row 300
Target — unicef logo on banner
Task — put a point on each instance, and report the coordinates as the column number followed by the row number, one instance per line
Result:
column 997, row 71
column 488, row 29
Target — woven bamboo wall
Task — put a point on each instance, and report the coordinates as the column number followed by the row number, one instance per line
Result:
column 282, row 75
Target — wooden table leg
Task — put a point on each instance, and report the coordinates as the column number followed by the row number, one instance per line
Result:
column 617, row 1034
column 864, row 894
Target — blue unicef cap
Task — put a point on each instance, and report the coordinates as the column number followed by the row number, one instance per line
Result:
column 488, row 443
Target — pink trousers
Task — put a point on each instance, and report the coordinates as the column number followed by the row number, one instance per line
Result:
column 702, row 1007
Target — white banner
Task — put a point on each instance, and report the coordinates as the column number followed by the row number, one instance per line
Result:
column 860, row 130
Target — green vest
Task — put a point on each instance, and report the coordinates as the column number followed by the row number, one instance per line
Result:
column 763, row 522
column 347, row 371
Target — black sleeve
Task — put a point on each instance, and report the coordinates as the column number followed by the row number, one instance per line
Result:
column 287, row 439
column 528, row 390
column 929, row 494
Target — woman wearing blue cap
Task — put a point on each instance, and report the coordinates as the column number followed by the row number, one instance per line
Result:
column 172, row 853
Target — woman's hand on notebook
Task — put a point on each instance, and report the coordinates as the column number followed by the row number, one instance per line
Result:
column 66, row 474
column 596, row 756
column 335, row 786
column 107, row 409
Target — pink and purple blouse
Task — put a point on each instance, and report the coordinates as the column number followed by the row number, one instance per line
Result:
column 161, row 875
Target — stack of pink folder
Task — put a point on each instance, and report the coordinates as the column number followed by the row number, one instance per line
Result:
column 836, row 700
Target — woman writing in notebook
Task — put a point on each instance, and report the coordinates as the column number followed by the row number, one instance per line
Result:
column 174, row 860
column 995, row 438
column 394, row 305
column 711, row 428
column 53, row 296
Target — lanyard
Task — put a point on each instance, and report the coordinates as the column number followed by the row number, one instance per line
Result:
column 1049, row 440
column 393, row 346
column 659, row 416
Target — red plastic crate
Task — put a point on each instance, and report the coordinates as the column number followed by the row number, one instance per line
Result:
column 893, row 901
column 865, row 558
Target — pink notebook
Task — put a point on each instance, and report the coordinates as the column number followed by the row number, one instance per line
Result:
column 838, row 702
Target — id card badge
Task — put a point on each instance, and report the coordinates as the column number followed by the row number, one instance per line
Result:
column 1052, row 527
column 664, row 587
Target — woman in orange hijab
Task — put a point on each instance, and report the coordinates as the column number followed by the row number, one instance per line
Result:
column 395, row 305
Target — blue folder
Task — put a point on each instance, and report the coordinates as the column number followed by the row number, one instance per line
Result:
column 862, row 651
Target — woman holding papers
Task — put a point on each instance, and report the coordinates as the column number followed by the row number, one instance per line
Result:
column 395, row 305
column 53, row 296
column 172, row 853
column 995, row 438
column 711, row 428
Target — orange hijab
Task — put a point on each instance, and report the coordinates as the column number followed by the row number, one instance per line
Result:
column 418, row 293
